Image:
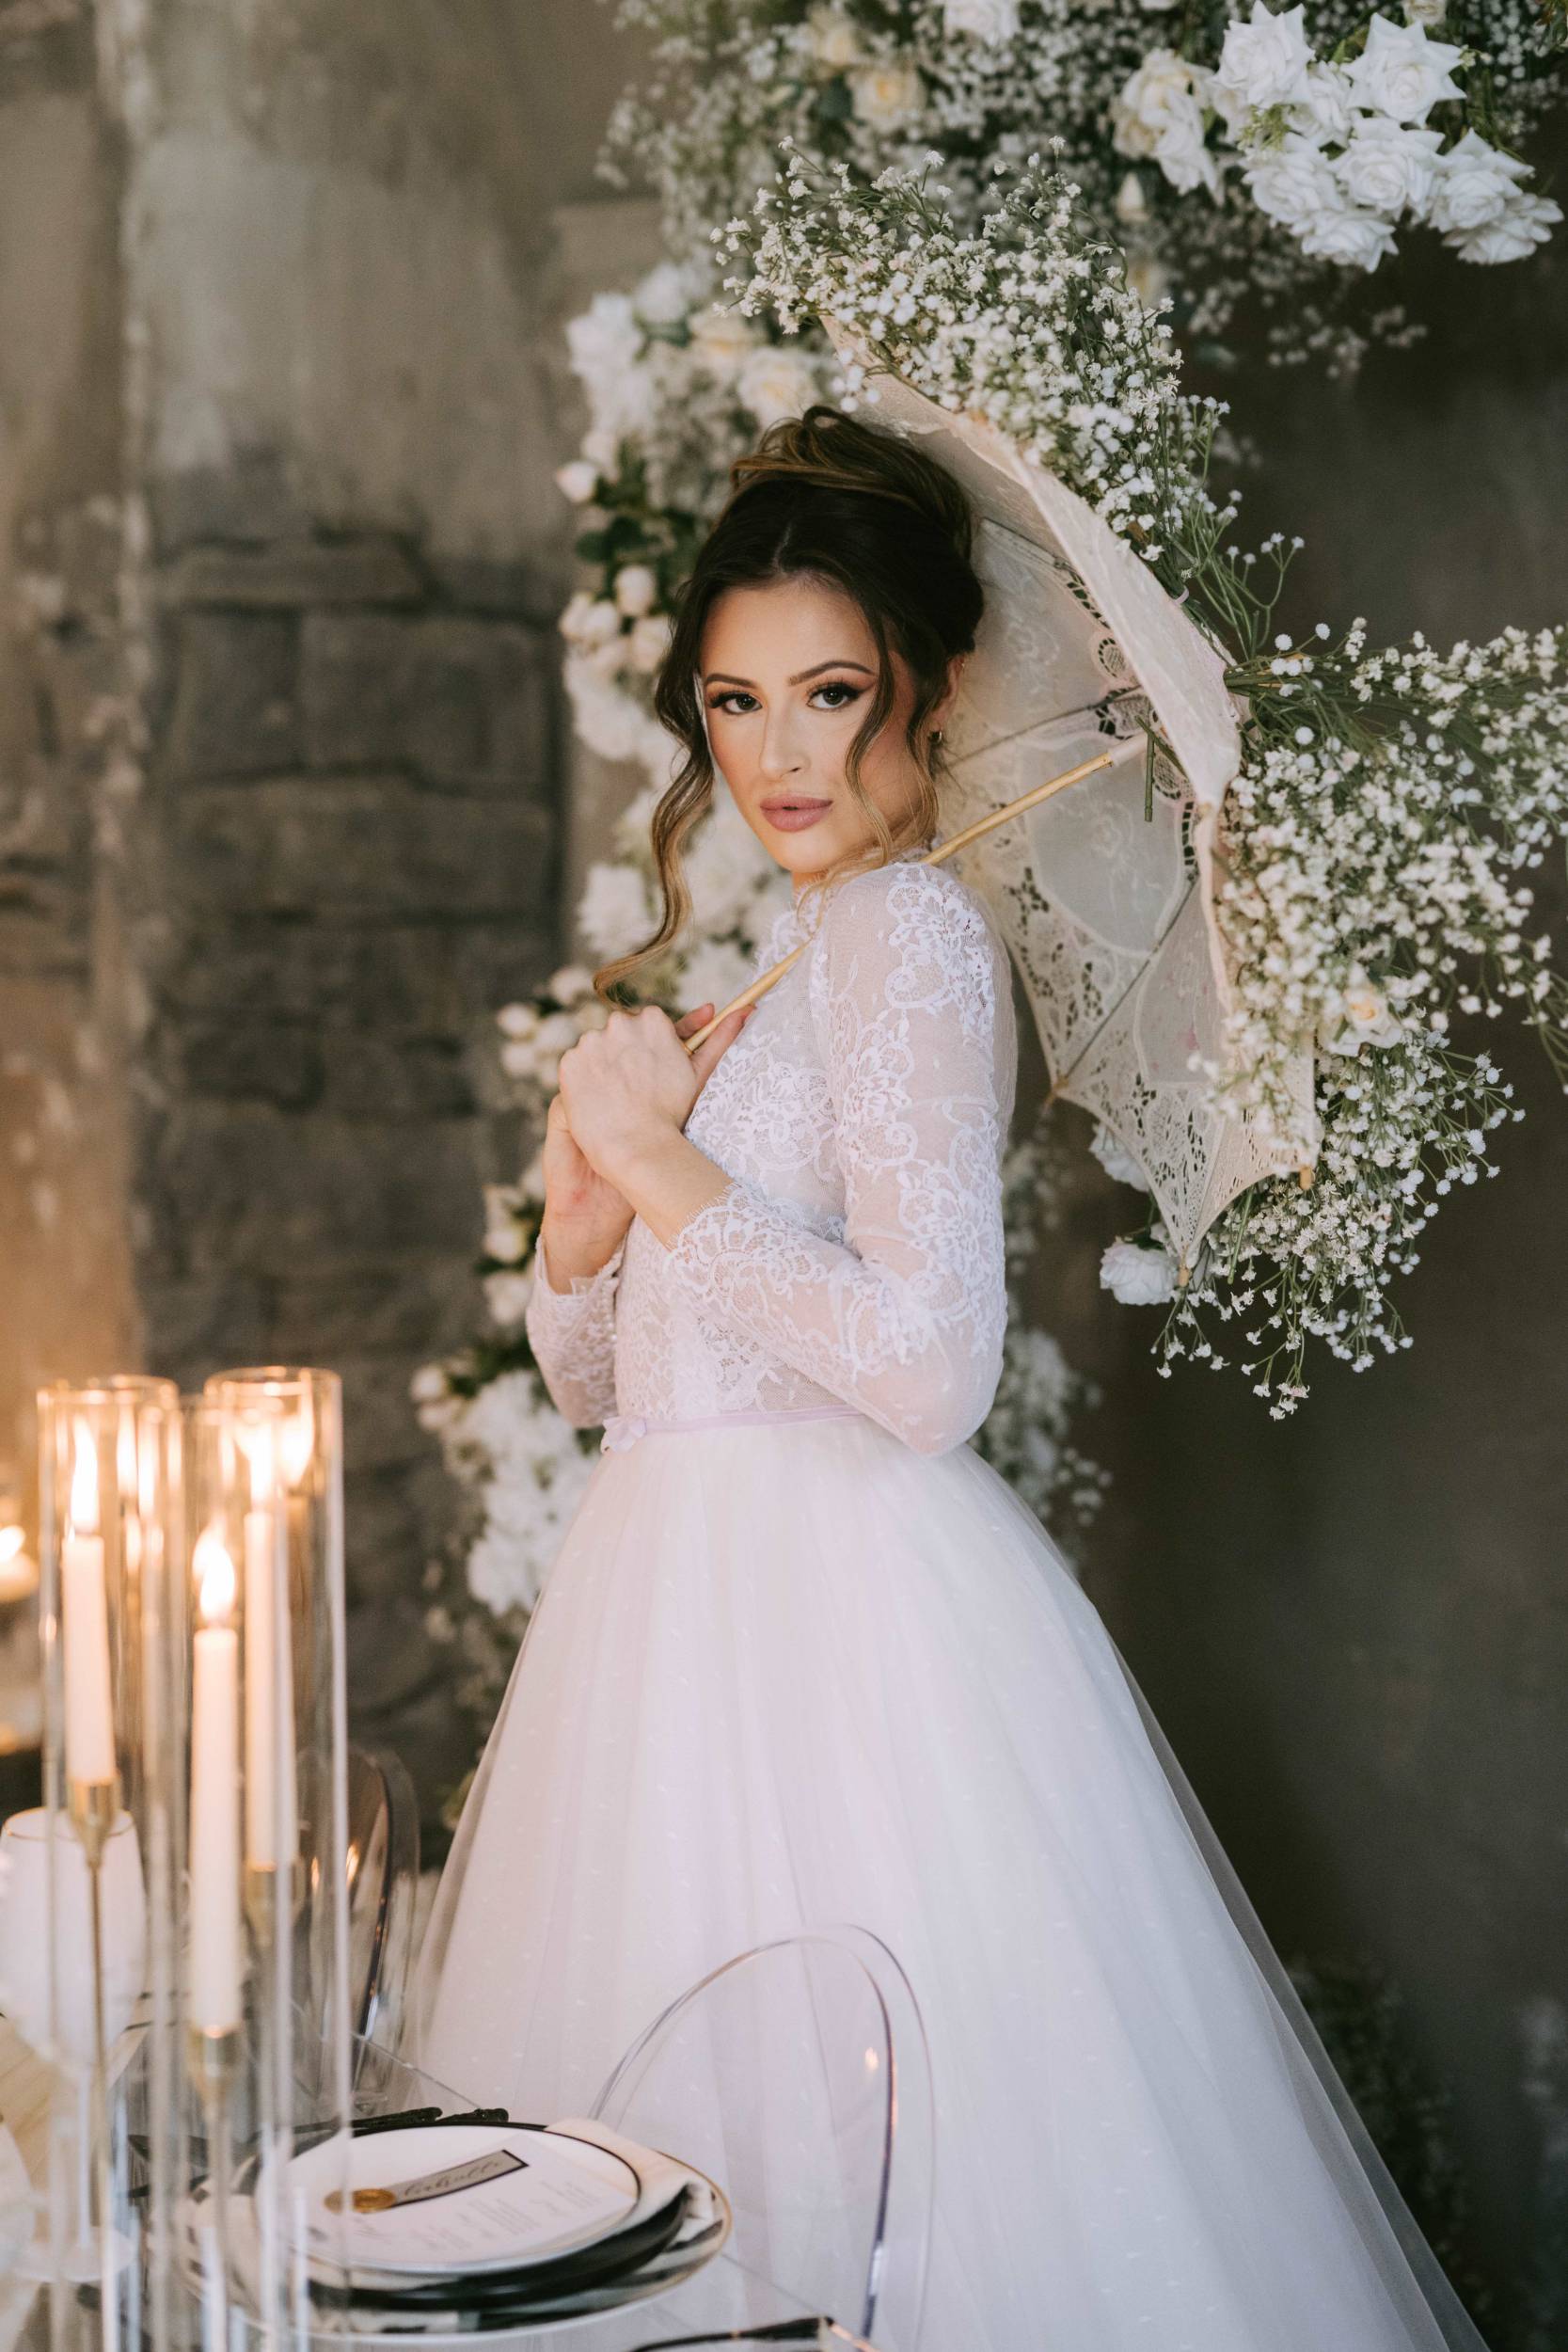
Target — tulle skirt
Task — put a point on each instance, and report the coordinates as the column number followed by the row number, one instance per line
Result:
column 785, row 1676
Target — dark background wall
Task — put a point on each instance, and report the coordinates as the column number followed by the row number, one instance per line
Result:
column 1353, row 1625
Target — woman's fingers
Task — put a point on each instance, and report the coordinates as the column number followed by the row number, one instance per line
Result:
column 713, row 1048
column 693, row 1021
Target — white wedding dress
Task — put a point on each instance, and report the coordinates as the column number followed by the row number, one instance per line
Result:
column 806, row 1659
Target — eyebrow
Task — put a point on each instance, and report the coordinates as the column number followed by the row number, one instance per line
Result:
column 728, row 677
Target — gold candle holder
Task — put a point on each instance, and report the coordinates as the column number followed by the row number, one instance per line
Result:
column 213, row 2060
column 94, row 1808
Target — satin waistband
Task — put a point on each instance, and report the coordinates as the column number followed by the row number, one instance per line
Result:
column 624, row 1429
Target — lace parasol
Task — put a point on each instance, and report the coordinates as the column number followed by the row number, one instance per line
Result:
column 1109, row 913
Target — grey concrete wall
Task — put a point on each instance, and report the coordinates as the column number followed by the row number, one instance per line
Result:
column 340, row 419
column 66, row 794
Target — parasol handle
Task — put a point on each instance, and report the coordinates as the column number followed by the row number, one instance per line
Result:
column 765, row 980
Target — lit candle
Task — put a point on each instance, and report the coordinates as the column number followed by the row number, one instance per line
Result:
column 19, row 1576
column 271, row 1832
column 214, row 1829
column 89, row 1726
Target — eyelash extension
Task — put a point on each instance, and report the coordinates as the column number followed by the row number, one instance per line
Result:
column 839, row 686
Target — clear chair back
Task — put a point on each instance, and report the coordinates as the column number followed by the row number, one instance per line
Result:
column 796, row 2076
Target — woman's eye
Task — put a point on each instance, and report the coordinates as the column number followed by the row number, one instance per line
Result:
column 830, row 685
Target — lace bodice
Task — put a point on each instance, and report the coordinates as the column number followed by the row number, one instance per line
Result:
column 856, row 1255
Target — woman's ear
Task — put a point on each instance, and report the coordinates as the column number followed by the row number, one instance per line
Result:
column 943, row 709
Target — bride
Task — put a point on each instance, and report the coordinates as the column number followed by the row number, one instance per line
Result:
column 804, row 1658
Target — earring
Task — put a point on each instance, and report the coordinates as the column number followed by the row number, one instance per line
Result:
column 936, row 735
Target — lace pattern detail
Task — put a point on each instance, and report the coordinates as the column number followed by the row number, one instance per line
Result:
column 572, row 1334
column 908, row 1004
column 856, row 1254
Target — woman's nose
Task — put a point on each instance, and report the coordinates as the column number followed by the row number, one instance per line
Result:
column 782, row 751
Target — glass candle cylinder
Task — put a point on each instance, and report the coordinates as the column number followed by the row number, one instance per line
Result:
column 111, row 1629
column 284, row 1536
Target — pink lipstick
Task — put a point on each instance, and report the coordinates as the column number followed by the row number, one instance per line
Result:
column 790, row 813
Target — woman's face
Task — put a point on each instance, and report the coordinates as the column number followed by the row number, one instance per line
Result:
column 787, row 673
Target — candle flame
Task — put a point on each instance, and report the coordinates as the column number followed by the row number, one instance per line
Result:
column 216, row 1581
column 126, row 1459
column 258, row 1453
column 299, row 1440
column 12, row 1541
column 83, row 1483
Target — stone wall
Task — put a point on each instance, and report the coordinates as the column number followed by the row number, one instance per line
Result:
column 65, row 789
column 351, row 741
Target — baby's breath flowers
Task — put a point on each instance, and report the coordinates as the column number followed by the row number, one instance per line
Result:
column 1260, row 159
column 1372, row 846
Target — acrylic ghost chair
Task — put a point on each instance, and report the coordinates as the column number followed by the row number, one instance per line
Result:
column 383, row 1891
column 796, row 2075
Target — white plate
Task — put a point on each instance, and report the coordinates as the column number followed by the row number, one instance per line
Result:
column 570, row 2194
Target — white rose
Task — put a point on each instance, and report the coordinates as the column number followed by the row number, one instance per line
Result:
column 722, row 338
column 570, row 981
column 501, row 1238
column 885, row 94
column 1476, row 183
column 518, row 1060
column 518, row 1021
column 1138, row 1277
column 1390, row 166
column 1131, row 203
column 1157, row 115
column 1182, row 153
column 1528, row 223
column 589, row 620
column 774, row 384
column 604, row 337
column 725, row 865
column 1149, row 278
column 834, row 38
column 635, row 589
column 1428, row 12
column 649, row 642
column 1291, row 182
column 713, row 974
column 507, row 1297
column 1116, row 1159
column 1354, row 239
column 429, row 1384
column 601, row 447
column 531, row 1184
column 615, row 915
column 1325, row 110
column 1402, row 73
column 574, row 612
column 994, row 20
column 578, row 481
column 608, row 719
column 1262, row 62
column 664, row 295
column 1361, row 1016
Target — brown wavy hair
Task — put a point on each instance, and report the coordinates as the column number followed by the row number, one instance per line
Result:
column 826, row 497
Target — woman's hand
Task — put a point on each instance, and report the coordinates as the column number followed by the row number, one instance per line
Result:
column 586, row 1215
column 630, row 1086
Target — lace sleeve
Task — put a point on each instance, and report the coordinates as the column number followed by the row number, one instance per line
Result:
column 912, row 1000
column 572, row 1334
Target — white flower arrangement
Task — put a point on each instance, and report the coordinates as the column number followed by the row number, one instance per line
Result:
column 1280, row 155
column 1337, row 149
column 1369, row 847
